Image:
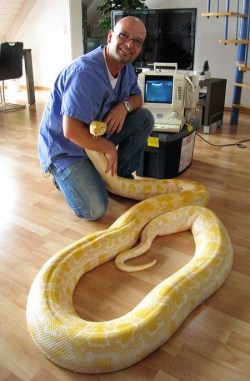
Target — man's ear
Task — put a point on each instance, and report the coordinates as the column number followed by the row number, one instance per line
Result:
column 109, row 37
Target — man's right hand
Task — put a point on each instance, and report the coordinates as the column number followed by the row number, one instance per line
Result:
column 112, row 162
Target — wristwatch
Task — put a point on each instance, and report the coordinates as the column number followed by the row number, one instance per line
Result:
column 127, row 106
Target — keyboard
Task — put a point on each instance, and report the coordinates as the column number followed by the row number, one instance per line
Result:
column 167, row 127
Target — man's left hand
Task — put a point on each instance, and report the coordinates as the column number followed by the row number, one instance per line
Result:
column 115, row 119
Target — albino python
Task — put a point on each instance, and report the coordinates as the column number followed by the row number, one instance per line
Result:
column 97, row 347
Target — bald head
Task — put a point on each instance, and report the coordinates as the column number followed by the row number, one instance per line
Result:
column 131, row 25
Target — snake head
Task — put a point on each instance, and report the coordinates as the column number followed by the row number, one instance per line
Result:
column 97, row 128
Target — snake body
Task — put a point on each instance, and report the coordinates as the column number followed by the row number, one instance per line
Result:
column 98, row 347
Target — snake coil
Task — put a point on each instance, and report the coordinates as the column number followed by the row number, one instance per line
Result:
column 169, row 206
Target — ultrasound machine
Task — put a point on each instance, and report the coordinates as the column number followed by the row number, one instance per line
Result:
column 171, row 96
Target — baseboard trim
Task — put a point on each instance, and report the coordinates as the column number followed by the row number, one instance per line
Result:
column 242, row 111
column 39, row 88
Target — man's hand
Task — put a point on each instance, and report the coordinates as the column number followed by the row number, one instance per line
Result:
column 115, row 118
column 112, row 162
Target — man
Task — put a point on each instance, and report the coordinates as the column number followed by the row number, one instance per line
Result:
column 100, row 85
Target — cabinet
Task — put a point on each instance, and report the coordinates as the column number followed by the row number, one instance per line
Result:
column 167, row 155
column 210, row 106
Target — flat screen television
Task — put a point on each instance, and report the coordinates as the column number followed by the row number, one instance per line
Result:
column 170, row 36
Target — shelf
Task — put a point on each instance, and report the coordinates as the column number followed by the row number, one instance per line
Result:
column 243, row 85
column 242, row 67
column 224, row 14
column 235, row 41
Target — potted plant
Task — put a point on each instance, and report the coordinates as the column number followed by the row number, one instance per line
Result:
column 206, row 70
column 106, row 6
column 202, row 76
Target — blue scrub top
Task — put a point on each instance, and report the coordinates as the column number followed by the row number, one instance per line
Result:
column 82, row 91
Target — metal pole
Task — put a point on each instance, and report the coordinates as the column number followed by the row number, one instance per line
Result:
column 226, row 20
column 247, row 37
column 208, row 6
column 237, row 20
column 240, row 57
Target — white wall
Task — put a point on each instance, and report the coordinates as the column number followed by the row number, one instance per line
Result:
column 47, row 31
column 75, row 24
column 53, row 31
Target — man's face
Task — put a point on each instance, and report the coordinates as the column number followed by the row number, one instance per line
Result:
column 125, row 45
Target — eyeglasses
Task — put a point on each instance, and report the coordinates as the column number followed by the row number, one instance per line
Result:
column 126, row 37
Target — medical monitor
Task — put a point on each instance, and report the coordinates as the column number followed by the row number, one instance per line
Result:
column 163, row 94
column 158, row 89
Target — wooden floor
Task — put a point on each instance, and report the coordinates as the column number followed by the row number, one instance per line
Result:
column 213, row 344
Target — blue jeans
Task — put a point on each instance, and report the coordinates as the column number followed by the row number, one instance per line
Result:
column 81, row 184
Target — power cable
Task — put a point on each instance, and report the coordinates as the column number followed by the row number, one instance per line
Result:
column 238, row 144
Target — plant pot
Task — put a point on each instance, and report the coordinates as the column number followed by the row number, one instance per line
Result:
column 207, row 74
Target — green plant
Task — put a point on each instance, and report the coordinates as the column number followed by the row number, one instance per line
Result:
column 206, row 66
column 106, row 6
